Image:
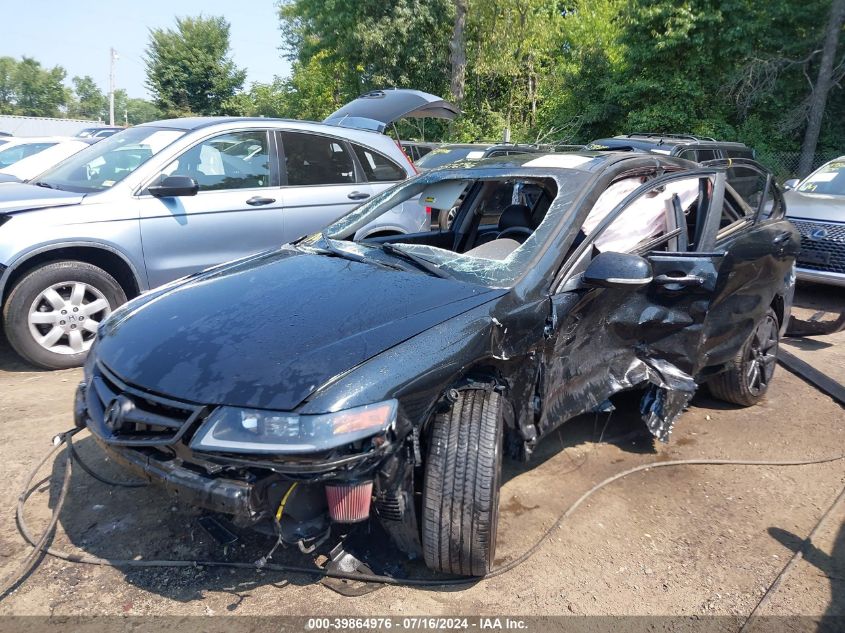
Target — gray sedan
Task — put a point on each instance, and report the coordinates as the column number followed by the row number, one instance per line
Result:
column 816, row 206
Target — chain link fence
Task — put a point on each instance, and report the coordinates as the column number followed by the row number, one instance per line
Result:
column 784, row 165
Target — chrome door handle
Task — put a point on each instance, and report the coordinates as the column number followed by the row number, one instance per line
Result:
column 258, row 201
column 686, row 280
column 358, row 195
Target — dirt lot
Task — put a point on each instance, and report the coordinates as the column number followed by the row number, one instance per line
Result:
column 697, row 540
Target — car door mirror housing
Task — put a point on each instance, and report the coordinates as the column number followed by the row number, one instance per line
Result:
column 791, row 183
column 618, row 270
column 174, row 186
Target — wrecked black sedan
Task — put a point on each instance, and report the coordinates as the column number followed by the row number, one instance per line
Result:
column 339, row 379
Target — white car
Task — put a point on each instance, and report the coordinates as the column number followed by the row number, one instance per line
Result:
column 816, row 206
column 23, row 158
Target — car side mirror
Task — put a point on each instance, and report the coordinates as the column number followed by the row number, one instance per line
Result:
column 791, row 184
column 174, row 186
column 618, row 270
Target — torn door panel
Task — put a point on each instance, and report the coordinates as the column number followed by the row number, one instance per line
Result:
column 669, row 390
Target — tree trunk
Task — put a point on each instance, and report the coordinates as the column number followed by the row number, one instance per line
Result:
column 457, row 50
column 822, row 87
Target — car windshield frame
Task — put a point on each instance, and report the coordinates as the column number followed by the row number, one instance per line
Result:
column 60, row 176
column 505, row 273
column 835, row 167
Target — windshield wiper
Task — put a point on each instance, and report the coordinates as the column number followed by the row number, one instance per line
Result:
column 421, row 262
column 41, row 183
column 329, row 248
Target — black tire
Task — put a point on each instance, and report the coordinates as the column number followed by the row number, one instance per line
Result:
column 16, row 310
column 461, row 490
column 750, row 372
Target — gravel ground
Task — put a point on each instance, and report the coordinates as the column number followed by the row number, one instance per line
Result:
column 697, row 540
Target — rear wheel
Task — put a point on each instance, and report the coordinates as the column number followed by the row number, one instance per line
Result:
column 461, row 490
column 52, row 314
column 749, row 374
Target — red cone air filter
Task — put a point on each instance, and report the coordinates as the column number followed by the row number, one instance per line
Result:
column 349, row 503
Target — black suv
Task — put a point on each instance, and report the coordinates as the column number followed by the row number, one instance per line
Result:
column 695, row 148
column 699, row 149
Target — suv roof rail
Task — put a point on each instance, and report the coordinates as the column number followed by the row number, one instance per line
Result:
column 685, row 137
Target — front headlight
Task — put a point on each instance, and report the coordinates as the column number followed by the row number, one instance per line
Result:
column 234, row 430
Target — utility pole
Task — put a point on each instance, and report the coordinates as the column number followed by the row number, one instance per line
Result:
column 112, row 59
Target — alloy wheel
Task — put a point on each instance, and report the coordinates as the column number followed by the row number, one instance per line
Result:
column 762, row 355
column 64, row 317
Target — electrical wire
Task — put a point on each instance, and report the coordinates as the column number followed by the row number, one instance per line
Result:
column 40, row 546
column 109, row 482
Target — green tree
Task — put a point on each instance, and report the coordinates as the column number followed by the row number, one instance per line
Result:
column 367, row 44
column 132, row 111
column 89, row 101
column 311, row 92
column 7, row 85
column 140, row 111
column 37, row 91
column 189, row 70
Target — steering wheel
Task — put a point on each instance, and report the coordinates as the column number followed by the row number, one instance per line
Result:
column 523, row 231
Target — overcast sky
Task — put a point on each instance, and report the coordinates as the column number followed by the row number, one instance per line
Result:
column 77, row 34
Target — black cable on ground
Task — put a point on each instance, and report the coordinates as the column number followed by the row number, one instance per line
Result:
column 109, row 482
column 39, row 545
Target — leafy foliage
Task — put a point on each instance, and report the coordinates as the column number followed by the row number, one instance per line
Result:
column 575, row 70
column 89, row 102
column 28, row 89
column 189, row 70
column 370, row 43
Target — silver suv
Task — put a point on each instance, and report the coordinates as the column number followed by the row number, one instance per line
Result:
column 163, row 200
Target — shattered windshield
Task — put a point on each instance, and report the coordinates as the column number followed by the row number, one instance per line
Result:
column 496, row 222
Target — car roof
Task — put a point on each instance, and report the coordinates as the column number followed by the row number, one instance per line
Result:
column 589, row 161
column 197, row 122
column 484, row 145
column 190, row 124
column 648, row 141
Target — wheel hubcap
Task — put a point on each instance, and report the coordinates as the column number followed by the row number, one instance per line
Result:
column 762, row 355
column 64, row 317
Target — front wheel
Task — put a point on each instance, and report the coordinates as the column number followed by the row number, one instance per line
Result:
column 52, row 314
column 461, row 491
column 750, row 372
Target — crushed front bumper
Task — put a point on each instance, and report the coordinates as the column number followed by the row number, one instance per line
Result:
column 227, row 496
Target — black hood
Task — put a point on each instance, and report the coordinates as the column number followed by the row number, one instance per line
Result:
column 268, row 331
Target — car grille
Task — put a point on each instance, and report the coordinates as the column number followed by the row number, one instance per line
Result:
column 822, row 246
column 128, row 416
